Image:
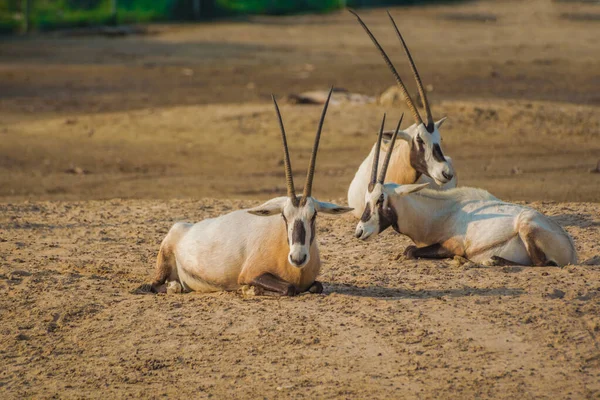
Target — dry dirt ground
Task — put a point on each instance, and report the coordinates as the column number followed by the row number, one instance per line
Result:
column 384, row 328
column 105, row 142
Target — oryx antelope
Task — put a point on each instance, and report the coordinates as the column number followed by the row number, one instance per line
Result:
column 463, row 222
column 271, row 246
column 419, row 157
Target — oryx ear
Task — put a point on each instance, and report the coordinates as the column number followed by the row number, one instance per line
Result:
column 330, row 208
column 440, row 123
column 387, row 136
column 403, row 190
column 271, row 207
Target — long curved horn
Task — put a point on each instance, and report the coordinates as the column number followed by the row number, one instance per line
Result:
column 409, row 101
column 386, row 162
column 430, row 125
column 313, row 158
column 376, row 157
column 289, row 178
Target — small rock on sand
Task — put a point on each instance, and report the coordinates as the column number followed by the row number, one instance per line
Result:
column 249, row 291
column 556, row 294
column 338, row 96
column 461, row 262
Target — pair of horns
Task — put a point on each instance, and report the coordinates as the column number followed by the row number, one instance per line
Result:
column 409, row 102
column 313, row 158
column 386, row 161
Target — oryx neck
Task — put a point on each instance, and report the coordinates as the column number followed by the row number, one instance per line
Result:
column 420, row 216
column 400, row 169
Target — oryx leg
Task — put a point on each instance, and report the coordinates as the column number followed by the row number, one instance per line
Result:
column 436, row 251
column 530, row 232
column 165, row 268
column 166, row 264
column 272, row 283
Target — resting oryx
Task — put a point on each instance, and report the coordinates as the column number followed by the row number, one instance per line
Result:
column 462, row 222
column 419, row 157
column 271, row 246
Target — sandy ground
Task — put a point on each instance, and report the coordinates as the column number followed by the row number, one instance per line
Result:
column 106, row 142
column 385, row 327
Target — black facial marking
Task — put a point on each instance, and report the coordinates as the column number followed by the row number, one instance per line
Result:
column 387, row 218
column 299, row 233
column 366, row 214
column 437, row 153
column 417, row 157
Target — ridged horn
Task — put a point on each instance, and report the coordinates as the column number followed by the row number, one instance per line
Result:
column 430, row 124
column 376, row 157
column 388, row 155
column 289, row 178
column 409, row 102
column 313, row 158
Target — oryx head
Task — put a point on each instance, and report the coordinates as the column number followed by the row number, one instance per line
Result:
column 379, row 213
column 426, row 155
column 299, row 212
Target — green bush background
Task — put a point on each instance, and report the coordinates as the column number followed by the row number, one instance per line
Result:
column 58, row 14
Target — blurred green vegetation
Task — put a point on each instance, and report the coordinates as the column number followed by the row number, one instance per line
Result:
column 59, row 14
column 277, row 7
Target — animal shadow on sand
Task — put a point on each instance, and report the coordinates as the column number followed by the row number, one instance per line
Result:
column 579, row 220
column 595, row 260
column 394, row 293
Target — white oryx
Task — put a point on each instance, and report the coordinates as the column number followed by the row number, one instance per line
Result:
column 271, row 246
column 418, row 158
column 463, row 222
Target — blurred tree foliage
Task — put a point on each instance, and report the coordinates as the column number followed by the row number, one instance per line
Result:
column 277, row 6
column 57, row 14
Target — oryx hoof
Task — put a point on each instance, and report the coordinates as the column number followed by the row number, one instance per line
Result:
column 159, row 289
column 316, row 288
column 495, row 261
column 410, row 252
column 291, row 291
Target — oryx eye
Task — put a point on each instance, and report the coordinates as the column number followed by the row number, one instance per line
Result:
column 380, row 200
column 419, row 140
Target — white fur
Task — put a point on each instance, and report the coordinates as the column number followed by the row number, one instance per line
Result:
column 229, row 251
column 400, row 171
column 469, row 222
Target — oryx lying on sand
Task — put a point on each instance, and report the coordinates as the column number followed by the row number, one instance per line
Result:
column 418, row 157
column 271, row 246
column 462, row 222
